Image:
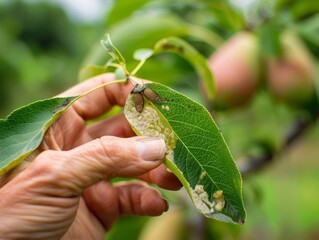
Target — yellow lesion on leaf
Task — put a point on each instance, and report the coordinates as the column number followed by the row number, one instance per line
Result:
column 202, row 175
column 219, row 200
column 149, row 123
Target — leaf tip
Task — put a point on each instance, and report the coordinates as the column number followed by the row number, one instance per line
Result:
column 106, row 42
column 241, row 221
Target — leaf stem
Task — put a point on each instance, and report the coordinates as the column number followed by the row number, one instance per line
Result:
column 184, row 49
column 116, row 65
column 138, row 67
column 103, row 85
column 125, row 69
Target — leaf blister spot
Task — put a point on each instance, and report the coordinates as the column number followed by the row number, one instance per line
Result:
column 219, row 199
column 149, row 123
column 202, row 175
column 198, row 173
column 169, row 46
column 165, row 107
column 62, row 106
column 202, row 202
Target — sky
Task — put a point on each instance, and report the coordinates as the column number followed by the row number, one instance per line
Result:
column 82, row 10
column 85, row 10
column 93, row 10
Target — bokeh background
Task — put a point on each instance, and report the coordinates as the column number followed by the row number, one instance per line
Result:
column 268, row 116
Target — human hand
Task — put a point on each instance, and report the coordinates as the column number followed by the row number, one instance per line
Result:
column 65, row 191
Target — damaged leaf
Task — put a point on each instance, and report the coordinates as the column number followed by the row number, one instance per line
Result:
column 196, row 151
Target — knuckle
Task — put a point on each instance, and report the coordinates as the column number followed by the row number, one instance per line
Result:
column 49, row 163
column 117, row 150
column 122, row 158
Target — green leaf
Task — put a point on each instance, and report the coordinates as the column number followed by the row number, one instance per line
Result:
column 112, row 50
column 22, row 131
column 135, row 32
column 227, row 14
column 205, row 35
column 181, row 47
column 121, row 9
column 269, row 39
column 143, row 54
column 303, row 9
column 196, row 150
column 309, row 29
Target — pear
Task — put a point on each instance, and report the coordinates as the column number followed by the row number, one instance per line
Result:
column 236, row 70
column 290, row 76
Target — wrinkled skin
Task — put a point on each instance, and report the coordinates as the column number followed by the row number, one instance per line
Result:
column 65, row 191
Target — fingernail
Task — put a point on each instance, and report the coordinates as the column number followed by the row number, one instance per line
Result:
column 151, row 149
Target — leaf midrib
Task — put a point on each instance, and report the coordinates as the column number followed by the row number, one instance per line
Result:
column 182, row 142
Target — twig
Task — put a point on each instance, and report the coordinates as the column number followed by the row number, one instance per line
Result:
column 298, row 128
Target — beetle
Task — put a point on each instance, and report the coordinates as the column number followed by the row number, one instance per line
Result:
column 141, row 91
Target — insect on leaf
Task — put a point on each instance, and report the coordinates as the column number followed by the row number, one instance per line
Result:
column 151, row 95
column 139, row 102
column 196, row 151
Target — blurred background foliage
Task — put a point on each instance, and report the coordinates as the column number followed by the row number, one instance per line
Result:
column 41, row 51
column 252, row 47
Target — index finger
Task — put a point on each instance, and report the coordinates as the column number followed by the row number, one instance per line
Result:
column 100, row 101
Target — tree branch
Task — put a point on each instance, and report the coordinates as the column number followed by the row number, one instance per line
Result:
column 298, row 129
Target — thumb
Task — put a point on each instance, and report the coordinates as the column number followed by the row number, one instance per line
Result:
column 104, row 158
